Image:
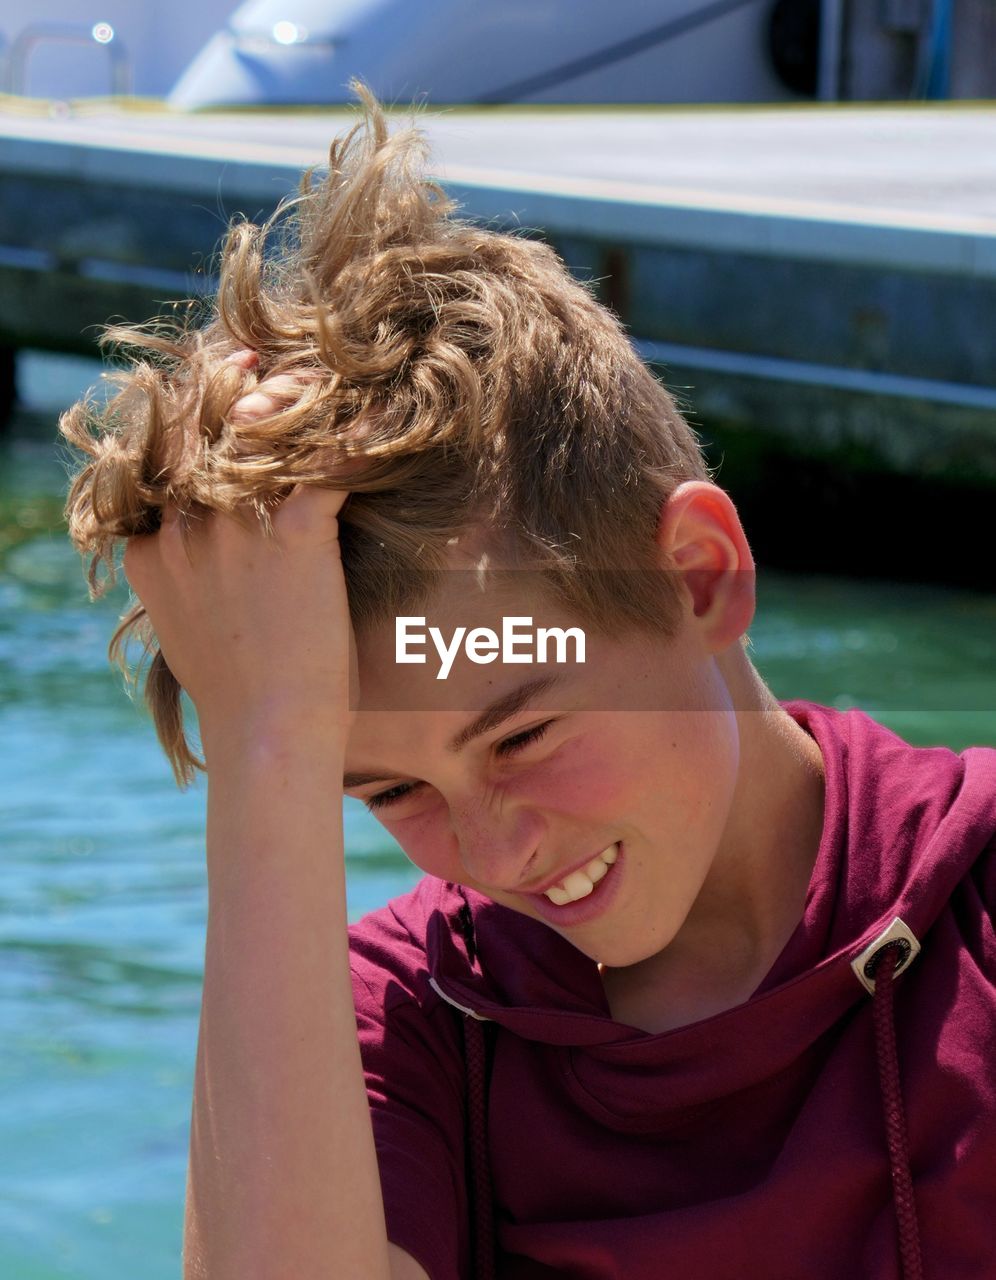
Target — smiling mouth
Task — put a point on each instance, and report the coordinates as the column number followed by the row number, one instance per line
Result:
column 579, row 884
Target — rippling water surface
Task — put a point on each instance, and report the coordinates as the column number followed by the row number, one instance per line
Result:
column 102, row 884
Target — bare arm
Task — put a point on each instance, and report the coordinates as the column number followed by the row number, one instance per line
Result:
column 283, row 1178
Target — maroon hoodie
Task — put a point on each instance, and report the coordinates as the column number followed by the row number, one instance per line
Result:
column 816, row 1131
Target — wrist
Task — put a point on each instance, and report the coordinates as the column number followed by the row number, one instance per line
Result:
column 274, row 734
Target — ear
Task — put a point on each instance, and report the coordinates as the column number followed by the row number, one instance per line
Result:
column 701, row 538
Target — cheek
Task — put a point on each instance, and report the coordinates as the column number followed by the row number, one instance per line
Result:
column 583, row 780
column 683, row 764
column 697, row 773
column 427, row 840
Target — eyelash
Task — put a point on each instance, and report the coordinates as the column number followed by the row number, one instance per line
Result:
column 391, row 796
column 518, row 741
column 507, row 748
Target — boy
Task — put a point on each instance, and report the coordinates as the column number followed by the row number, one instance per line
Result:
column 629, row 1022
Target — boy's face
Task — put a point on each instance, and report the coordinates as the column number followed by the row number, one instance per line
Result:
column 634, row 751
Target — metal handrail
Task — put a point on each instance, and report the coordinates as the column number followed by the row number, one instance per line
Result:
column 101, row 34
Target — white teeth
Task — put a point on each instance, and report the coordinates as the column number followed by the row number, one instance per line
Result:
column 595, row 870
column 580, row 883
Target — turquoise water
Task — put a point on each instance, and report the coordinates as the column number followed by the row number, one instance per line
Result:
column 102, row 885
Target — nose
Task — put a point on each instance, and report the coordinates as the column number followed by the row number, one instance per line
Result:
column 496, row 842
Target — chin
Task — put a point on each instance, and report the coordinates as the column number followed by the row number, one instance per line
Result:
column 626, row 954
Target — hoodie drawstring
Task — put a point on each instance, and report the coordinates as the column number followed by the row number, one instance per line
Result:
column 883, row 967
column 482, row 1213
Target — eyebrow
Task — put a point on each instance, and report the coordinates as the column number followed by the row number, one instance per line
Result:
column 502, row 709
column 494, row 714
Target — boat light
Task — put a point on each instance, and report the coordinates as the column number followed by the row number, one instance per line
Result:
column 289, row 33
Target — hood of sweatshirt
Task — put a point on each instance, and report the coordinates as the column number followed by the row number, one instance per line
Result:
column 902, row 826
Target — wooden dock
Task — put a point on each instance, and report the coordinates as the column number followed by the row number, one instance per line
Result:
column 822, row 277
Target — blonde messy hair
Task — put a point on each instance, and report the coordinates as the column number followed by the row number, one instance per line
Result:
column 473, row 380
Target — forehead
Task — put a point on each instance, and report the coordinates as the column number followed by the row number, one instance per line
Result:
column 476, row 635
column 474, row 641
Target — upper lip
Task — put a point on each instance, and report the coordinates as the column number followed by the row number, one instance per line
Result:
column 540, row 886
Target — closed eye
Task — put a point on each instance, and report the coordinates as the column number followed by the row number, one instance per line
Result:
column 391, row 796
column 506, row 748
column 518, row 741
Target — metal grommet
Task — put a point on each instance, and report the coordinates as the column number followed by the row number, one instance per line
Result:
column 897, row 932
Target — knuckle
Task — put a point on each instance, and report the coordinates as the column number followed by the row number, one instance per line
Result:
column 284, row 386
column 254, row 405
column 269, row 396
column 308, row 509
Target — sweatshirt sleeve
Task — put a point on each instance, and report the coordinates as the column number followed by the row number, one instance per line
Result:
column 413, row 1063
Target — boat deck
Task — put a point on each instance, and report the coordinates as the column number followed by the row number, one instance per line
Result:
column 902, row 185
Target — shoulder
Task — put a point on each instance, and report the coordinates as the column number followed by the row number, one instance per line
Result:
column 390, row 962
column 390, row 944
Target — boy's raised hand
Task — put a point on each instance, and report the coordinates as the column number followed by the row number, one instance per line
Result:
column 255, row 628
column 283, row 1178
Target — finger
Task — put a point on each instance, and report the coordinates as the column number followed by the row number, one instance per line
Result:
column 309, row 505
column 245, row 359
column 255, row 405
column 267, row 398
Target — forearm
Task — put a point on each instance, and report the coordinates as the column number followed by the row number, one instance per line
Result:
column 283, row 1177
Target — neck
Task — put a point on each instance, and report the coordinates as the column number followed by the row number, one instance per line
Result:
column 755, row 892
column 754, row 895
